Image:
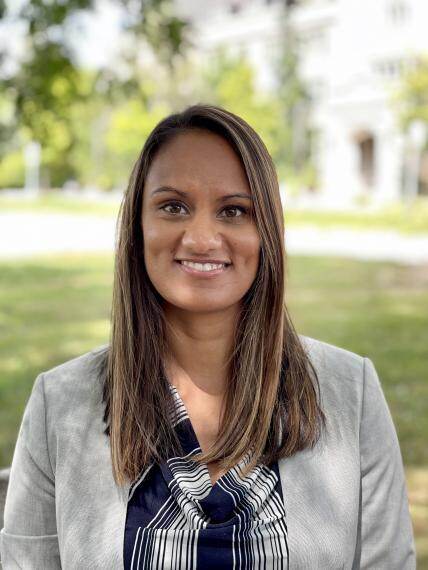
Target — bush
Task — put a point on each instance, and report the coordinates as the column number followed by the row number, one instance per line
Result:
column 12, row 170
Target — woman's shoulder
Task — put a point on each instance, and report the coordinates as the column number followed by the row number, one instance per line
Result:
column 332, row 363
column 340, row 374
column 324, row 354
column 65, row 400
column 340, row 371
column 79, row 365
column 74, row 380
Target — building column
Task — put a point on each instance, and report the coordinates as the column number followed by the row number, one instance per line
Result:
column 339, row 167
column 389, row 166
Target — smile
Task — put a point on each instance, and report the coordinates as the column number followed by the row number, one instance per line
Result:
column 202, row 269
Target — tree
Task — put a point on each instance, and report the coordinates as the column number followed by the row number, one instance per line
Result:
column 411, row 104
column 294, row 155
column 411, row 97
column 228, row 79
column 48, row 82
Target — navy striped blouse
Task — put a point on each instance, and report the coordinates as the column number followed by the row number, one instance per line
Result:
column 177, row 520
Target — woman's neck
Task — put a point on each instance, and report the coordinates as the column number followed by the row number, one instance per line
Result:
column 199, row 348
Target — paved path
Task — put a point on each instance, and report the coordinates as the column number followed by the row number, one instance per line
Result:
column 376, row 245
column 25, row 234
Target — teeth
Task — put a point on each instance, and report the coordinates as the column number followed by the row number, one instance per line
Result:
column 203, row 266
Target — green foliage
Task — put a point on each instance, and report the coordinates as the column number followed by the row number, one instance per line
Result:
column 8, row 138
column 411, row 98
column 229, row 81
column 108, row 138
column 42, row 15
column 296, row 179
column 129, row 126
column 166, row 34
column 48, row 89
column 12, row 172
column 294, row 101
column 46, row 84
column 409, row 218
column 93, row 124
column 87, row 119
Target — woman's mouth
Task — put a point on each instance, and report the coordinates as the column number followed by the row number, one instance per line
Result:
column 203, row 269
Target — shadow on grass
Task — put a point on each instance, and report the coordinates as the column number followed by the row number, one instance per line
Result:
column 51, row 310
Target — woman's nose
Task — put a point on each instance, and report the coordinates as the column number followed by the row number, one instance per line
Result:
column 201, row 231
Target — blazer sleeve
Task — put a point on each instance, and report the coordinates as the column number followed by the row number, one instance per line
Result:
column 29, row 538
column 385, row 535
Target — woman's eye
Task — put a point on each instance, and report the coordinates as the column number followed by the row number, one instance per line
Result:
column 227, row 208
column 237, row 208
column 173, row 204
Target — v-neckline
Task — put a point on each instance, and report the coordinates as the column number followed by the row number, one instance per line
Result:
column 189, row 439
column 229, row 499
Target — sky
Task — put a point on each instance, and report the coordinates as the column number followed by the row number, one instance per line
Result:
column 95, row 37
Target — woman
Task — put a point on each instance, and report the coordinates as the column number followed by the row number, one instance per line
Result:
column 208, row 434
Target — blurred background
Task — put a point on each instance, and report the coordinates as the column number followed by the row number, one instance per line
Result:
column 337, row 89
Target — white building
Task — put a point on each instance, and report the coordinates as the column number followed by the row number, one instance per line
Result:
column 351, row 56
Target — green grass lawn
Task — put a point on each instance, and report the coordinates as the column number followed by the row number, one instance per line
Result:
column 52, row 309
column 56, row 202
column 406, row 219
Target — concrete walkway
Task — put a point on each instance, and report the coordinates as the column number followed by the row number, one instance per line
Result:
column 24, row 235
column 372, row 245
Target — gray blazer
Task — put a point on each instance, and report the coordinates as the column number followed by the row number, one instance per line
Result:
column 346, row 500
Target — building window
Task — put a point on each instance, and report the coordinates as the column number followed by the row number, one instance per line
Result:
column 313, row 40
column 389, row 68
column 398, row 12
column 235, row 7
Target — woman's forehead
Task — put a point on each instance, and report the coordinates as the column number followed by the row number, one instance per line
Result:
column 192, row 159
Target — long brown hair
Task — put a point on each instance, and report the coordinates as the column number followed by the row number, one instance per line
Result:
column 272, row 401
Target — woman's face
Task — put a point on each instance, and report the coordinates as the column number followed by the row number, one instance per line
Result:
column 199, row 221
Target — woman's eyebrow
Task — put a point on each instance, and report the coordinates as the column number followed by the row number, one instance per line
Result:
column 186, row 194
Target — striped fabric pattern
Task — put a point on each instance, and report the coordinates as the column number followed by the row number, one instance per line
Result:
column 177, row 520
